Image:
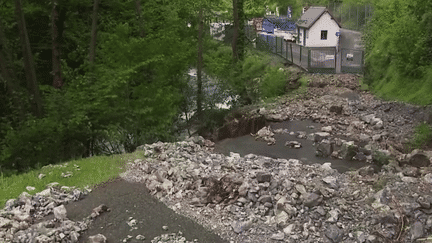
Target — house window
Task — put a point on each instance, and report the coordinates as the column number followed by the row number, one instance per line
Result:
column 323, row 34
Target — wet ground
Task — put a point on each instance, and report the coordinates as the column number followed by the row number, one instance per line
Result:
column 248, row 145
column 133, row 200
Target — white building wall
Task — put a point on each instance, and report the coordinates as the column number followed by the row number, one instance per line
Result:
column 313, row 37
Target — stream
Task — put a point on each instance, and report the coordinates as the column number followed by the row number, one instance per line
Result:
column 248, row 145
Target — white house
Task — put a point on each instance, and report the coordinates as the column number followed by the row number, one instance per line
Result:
column 317, row 28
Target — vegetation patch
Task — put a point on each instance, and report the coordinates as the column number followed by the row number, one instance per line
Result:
column 84, row 172
column 422, row 136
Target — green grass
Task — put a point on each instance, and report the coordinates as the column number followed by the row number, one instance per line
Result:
column 93, row 170
column 395, row 86
column 422, row 135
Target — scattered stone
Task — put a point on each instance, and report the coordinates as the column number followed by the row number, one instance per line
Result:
column 289, row 229
column 418, row 159
column 278, row 236
column 99, row 238
column 334, row 233
column 241, row 226
column 60, row 212
column 30, row 188
column 312, row 199
column 263, row 177
column 99, row 210
column 326, row 129
column 293, row 144
column 417, row 231
column 324, row 149
column 140, row 237
column 336, row 109
column 320, row 136
column 165, row 228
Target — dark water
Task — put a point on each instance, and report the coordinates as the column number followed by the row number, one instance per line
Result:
column 247, row 145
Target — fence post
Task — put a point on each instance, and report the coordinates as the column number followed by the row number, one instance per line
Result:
column 300, row 54
column 309, row 58
column 276, row 45
column 286, row 50
column 267, row 42
column 292, row 58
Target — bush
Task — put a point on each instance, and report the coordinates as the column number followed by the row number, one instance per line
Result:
column 37, row 143
column 273, row 83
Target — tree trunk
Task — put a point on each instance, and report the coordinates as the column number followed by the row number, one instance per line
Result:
column 7, row 73
column 140, row 20
column 93, row 33
column 238, row 34
column 35, row 98
column 199, row 64
column 56, row 64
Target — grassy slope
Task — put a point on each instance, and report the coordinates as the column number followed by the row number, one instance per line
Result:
column 92, row 171
column 396, row 87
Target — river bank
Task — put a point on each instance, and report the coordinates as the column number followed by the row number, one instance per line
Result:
column 255, row 198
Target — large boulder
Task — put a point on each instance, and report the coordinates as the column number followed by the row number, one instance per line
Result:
column 324, row 149
column 348, row 150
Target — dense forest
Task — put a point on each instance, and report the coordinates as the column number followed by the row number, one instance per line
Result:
column 88, row 77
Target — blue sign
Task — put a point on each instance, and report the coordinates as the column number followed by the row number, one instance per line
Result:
column 338, row 33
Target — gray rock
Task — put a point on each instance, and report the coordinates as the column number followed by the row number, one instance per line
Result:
column 241, row 226
column 60, row 212
column 99, row 238
column 361, row 236
column 263, row 177
column 348, row 150
column 282, row 218
column 360, row 157
column 417, row 231
column 99, row 210
column 278, row 236
column 419, row 159
column 289, row 229
column 331, row 181
column 140, row 237
column 336, row 109
column 334, row 233
column 30, row 188
column 366, row 171
column 293, row 144
column 367, row 118
column 301, row 134
column 411, row 171
column 300, row 188
column 364, row 137
column 376, row 137
column 324, row 149
column 334, row 215
column 319, row 136
column 265, row 198
column 312, row 199
column 428, row 178
column 326, row 129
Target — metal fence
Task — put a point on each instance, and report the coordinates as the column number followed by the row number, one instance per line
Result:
column 352, row 61
column 312, row 59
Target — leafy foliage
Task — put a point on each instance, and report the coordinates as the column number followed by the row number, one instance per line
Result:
column 273, row 83
column 398, row 50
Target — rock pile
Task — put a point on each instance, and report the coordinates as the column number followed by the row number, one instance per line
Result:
column 21, row 219
column 260, row 199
